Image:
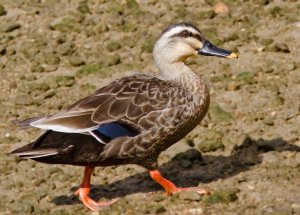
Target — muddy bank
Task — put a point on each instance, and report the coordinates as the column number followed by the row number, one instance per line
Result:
column 246, row 150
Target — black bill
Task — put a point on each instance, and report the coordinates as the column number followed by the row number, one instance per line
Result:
column 209, row 49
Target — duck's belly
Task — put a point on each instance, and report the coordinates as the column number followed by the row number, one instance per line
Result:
column 144, row 149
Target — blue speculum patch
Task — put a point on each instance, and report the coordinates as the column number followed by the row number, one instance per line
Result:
column 114, row 130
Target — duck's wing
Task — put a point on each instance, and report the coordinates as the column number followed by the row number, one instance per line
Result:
column 134, row 102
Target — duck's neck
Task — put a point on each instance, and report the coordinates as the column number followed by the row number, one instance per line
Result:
column 180, row 73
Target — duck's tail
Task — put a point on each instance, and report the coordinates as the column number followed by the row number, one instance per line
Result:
column 23, row 124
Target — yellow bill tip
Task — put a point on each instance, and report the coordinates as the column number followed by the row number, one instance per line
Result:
column 232, row 55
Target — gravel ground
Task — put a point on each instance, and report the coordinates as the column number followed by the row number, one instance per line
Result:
column 246, row 150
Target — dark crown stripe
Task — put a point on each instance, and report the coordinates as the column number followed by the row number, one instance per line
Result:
column 183, row 24
column 186, row 34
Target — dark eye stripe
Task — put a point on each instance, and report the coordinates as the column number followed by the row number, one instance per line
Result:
column 186, row 34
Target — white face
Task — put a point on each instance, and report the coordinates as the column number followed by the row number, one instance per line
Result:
column 178, row 43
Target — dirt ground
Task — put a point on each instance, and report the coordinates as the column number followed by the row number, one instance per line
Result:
column 246, row 150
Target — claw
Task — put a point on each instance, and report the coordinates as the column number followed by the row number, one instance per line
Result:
column 90, row 203
column 84, row 190
column 170, row 187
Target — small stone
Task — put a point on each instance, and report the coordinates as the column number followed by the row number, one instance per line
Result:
column 185, row 163
column 65, row 80
column 83, row 8
column 220, row 7
column 37, row 68
column 132, row 4
column 76, row 61
column 246, row 76
column 275, row 11
column 111, row 60
column 23, row 100
column 9, row 27
column 218, row 114
column 113, row 46
column 52, row 59
column 49, row 94
column 101, row 27
column 262, row 2
column 148, row 45
column 193, row 154
column 2, row 10
column 295, row 206
column 232, row 86
column 195, row 211
column 38, row 87
column 66, row 48
column 279, row 100
column 62, row 24
column 156, row 209
column 50, row 68
column 210, row 145
column 282, row 47
column 189, row 195
column 271, row 157
column 289, row 66
column 158, row 198
column 268, row 121
column 128, row 27
column 190, row 143
column 266, row 41
column 222, row 196
column 2, row 50
column 207, row 14
column 89, row 69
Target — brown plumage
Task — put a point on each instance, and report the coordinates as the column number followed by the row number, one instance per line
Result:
column 133, row 119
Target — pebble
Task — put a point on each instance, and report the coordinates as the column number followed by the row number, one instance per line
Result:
column 193, row 154
column 218, row 114
column 9, row 27
column 52, row 59
column 37, row 68
column 194, row 211
column 222, row 196
column 148, row 45
column 185, row 163
column 158, row 198
column 83, row 8
column 220, row 7
column 113, row 46
column 232, row 86
column 76, row 61
column 65, row 80
column 246, row 76
column 210, row 145
column 23, row 100
column 189, row 195
column 156, row 209
column 268, row 121
column 271, row 157
column 290, row 66
column 62, row 24
column 2, row 10
column 66, row 48
column 111, row 60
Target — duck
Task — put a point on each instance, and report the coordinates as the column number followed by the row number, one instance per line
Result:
column 132, row 119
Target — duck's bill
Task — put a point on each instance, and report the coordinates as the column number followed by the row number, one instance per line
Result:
column 209, row 49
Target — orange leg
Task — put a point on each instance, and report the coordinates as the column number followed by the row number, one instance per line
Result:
column 170, row 187
column 84, row 190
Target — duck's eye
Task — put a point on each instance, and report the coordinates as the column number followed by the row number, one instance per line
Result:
column 185, row 33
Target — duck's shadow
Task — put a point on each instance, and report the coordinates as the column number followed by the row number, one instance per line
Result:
column 188, row 169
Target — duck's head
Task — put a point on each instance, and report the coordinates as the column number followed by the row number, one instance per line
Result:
column 182, row 40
